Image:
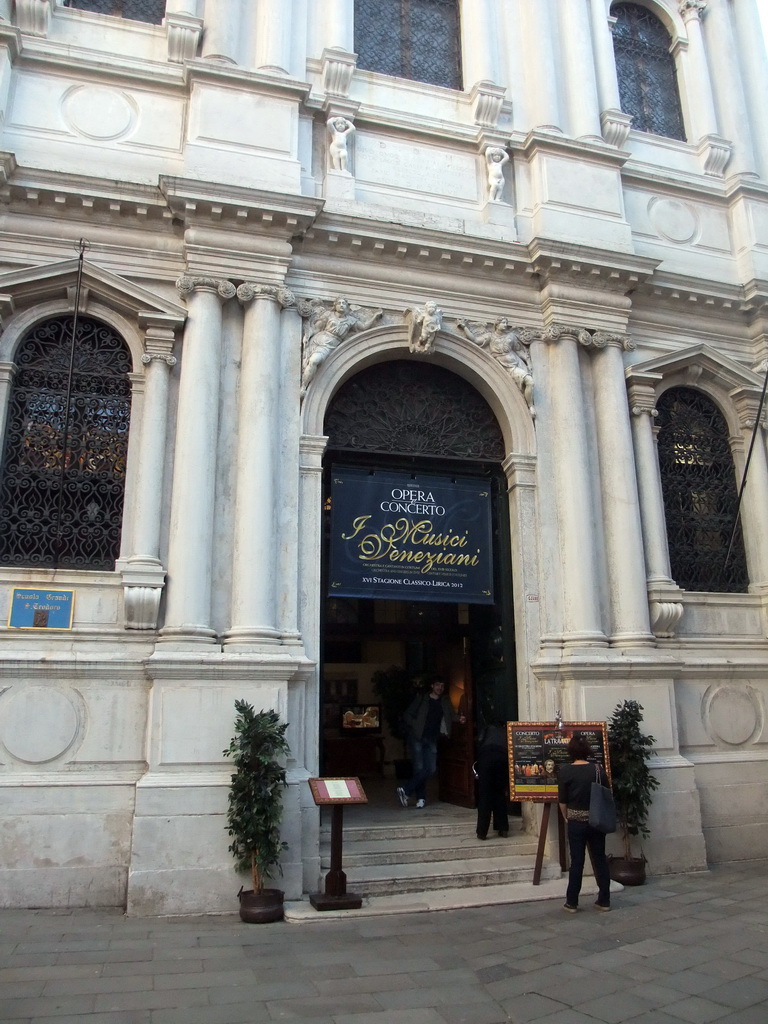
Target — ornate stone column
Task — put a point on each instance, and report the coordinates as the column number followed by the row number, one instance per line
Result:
column 254, row 569
column 728, row 86
column 754, row 503
column 665, row 610
column 221, row 39
column 288, row 479
column 188, row 612
column 580, row 71
column 614, row 122
column 7, row 373
column 479, row 32
column 754, row 70
column 273, row 35
column 713, row 149
column 333, row 25
column 144, row 575
column 630, row 626
column 311, row 449
column 542, row 99
column 570, row 487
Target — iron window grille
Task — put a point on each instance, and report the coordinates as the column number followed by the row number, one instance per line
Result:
column 63, row 476
column 150, row 11
column 646, row 72
column 700, row 494
column 403, row 408
column 416, row 39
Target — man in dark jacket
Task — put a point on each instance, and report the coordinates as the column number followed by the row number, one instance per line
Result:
column 429, row 716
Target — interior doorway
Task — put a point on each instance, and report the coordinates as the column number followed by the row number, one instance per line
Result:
column 413, row 417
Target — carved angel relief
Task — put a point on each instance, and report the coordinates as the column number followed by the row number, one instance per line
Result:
column 508, row 347
column 423, row 325
column 325, row 329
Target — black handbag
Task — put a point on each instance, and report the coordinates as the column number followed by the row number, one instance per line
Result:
column 602, row 810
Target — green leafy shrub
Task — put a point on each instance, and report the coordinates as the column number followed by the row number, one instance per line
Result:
column 633, row 782
column 255, row 807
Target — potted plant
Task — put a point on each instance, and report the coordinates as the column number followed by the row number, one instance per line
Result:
column 633, row 786
column 255, row 807
column 395, row 688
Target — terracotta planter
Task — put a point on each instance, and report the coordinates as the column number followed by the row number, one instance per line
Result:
column 261, row 907
column 627, row 872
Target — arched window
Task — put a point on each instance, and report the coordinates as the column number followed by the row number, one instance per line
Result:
column 62, row 476
column 646, row 72
column 700, row 494
column 410, row 408
column 416, row 39
column 150, row 11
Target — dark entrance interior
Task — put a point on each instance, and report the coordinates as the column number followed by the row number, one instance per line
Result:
column 412, row 416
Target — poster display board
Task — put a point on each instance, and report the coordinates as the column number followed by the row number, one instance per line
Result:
column 410, row 537
column 538, row 749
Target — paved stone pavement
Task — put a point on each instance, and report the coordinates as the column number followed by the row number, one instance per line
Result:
column 690, row 948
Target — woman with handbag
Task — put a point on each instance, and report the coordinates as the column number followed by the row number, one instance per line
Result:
column 574, row 787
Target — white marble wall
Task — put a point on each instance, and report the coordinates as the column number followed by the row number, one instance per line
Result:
column 203, row 157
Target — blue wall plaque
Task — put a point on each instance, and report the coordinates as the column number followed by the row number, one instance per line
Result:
column 40, row 608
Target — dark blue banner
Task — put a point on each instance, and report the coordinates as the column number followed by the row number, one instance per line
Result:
column 408, row 537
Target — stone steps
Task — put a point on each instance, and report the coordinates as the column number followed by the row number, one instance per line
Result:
column 391, row 858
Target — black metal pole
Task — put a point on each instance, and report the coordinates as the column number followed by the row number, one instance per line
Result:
column 82, row 245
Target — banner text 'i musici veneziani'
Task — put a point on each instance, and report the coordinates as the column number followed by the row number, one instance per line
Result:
column 409, row 537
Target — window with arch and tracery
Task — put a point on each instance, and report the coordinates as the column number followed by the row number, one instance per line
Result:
column 698, row 482
column 646, row 71
column 416, row 39
column 62, row 476
column 149, row 11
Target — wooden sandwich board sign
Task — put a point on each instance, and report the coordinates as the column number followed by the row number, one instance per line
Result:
column 536, row 751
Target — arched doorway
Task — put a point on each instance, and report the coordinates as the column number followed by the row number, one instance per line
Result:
column 402, row 422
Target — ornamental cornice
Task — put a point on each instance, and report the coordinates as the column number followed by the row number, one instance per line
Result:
column 186, row 285
column 224, row 206
column 249, row 290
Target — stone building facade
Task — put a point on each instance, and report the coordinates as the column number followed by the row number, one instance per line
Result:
column 237, row 209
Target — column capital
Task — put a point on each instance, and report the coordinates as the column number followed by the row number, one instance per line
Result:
column 162, row 357
column 746, row 401
column 223, row 288
column 311, row 450
column 249, row 290
column 604, row 339
column 594, row 339
column 691, row 9
column 158, row 344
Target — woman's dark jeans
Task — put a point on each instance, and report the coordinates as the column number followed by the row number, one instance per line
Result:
column 580, row 836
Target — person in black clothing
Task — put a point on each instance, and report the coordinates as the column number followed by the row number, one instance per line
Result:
column 493, row 781
column 574, row 785
column 429, row 716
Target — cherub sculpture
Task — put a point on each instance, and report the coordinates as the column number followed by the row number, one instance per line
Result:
column 340, row 130
column 423, row 325
column 326, row 329
column 495, row 158
column 504, row 344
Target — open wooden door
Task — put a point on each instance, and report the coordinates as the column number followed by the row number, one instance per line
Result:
column 456, row 780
